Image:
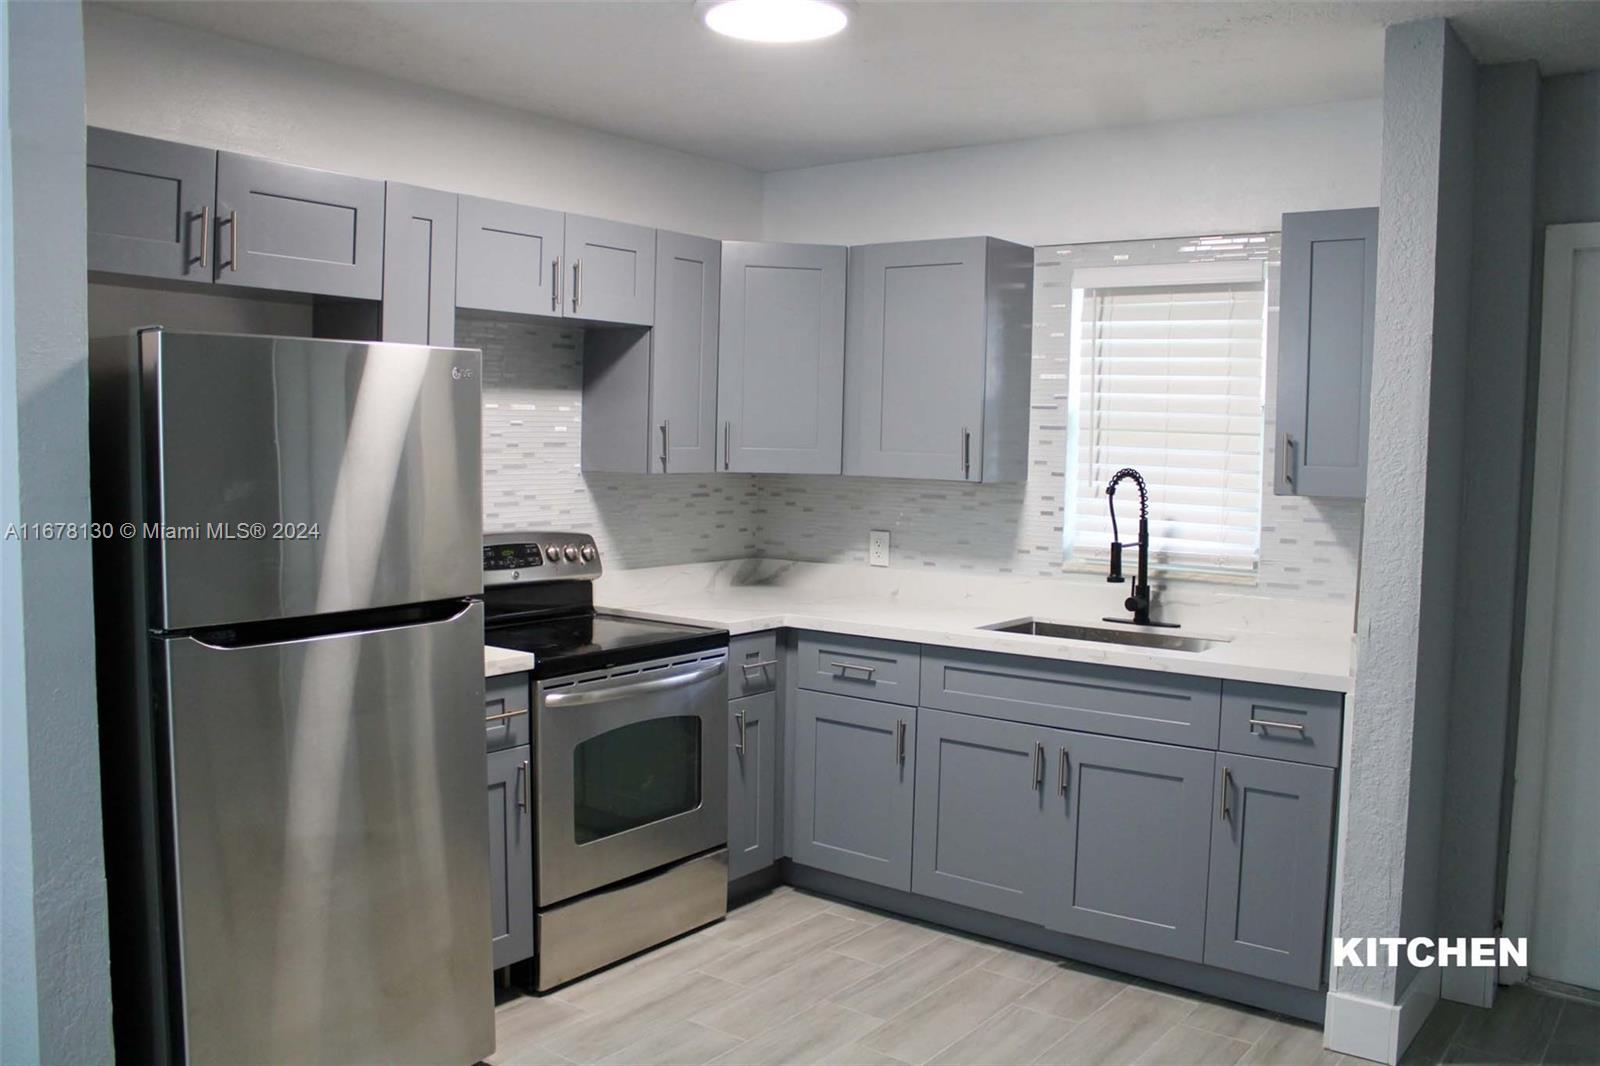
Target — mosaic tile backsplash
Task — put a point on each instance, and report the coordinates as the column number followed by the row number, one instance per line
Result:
column 533, row 405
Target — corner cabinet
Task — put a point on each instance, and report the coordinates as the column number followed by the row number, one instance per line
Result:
column 1325, row 324
column 780, row 364
column 419, row 265
column 150, row 205
column 938, row 358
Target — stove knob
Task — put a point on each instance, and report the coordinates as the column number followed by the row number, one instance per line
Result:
column 571, row 553
column 553, row 553
column 587, row 552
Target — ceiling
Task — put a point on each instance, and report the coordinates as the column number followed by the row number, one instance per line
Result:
column 905, row 77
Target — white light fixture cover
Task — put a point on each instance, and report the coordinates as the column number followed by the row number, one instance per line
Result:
column 775, row 21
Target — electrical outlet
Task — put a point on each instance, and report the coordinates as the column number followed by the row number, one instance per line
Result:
column 878, row 547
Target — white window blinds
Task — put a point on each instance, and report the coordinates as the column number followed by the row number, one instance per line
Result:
column 1168, row 378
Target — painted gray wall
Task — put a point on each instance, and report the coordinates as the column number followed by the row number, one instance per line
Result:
column 55, row 1002
column 1486, row 574
column 1407, row 589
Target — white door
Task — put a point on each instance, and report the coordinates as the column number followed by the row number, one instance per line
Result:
column 1553, row 887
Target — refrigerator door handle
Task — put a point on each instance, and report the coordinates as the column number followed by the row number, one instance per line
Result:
column 267, row 634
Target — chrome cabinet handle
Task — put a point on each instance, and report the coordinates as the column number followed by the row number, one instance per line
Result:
column 1265, row 722
column 555, row 284
column 738, row 716
column 762, row 666
column 205, row 236
column 1066, row 768
column 900, row 741
column 663, row 447
column 503, row 717
column 844, row 669
column 233, row 240
column 522, row 785
column 1286, row 454
column 966, row 453
column 1038, row 765
column 1227, row 785
column 727, row 446
column 576, row 264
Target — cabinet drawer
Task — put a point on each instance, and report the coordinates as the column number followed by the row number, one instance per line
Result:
column 505, row 710
column 855, row 666
column 1298, row 724
column 752, row 664
column 1136, row 704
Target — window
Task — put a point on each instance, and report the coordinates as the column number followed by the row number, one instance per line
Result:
column 1166, row 375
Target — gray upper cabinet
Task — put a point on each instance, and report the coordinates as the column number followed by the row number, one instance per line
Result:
column 752, row 783
column 987, row 828
column 611, row 271
column 780, row 367
column 938, row 353
column 298, row 229
column 150, row 206
column 510, row 855
column 853, row 779
column 1134, row 861
column 683, row 388
column 419, row 265
column 1325, row 320
column 508, row 257
column 1271, row 836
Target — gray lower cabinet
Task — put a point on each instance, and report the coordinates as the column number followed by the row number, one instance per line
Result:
column 419, row 265
column 297, row 229
column 511, row 854
column 854, row 774
column 508, row 257
column 988, row 824
column 1134, row 857
column 1325, row 322
column 1271, row 837
column 612, row 270
column 150, row 206
column 780, row 361
column 752, row 783
column 938, row 360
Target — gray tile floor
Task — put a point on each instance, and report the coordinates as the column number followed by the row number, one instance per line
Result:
column 796, row 978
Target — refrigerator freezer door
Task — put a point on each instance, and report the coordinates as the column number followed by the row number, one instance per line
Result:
column 332, row 853
column 297, row 477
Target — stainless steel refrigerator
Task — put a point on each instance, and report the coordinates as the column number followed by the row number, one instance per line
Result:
column 290, row 656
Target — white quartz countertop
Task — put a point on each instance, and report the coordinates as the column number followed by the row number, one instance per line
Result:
column 1260, row 638
column 497, row 661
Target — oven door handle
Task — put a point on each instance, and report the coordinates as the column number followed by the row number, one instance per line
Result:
column 579, row 696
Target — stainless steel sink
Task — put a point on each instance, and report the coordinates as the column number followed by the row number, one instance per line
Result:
column 1139, row 638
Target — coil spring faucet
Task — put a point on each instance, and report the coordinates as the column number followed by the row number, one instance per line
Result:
column 1139, row 602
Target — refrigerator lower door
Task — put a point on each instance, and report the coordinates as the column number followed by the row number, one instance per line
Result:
column 331, row 847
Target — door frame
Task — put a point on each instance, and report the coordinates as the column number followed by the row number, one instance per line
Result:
column 1562, row 244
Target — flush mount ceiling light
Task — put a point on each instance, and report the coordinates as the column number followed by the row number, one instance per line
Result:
column 775, row 21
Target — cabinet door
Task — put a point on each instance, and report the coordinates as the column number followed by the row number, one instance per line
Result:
column 508, row 257
column 511, row 855
column 853, row 780
column 914, row 360
column 752, row 786
column 611, row 267
column 780, row 367
column 987, row 824
column 298, row 229
column 1325, row 316
column 419, row 265
column 150, row 206
column 1133, row 864
column 1271, row 834
column 683, row 384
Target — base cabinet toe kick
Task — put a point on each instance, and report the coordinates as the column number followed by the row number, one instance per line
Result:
column 1173, row 826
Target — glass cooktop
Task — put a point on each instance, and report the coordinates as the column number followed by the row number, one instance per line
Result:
column 577, row 643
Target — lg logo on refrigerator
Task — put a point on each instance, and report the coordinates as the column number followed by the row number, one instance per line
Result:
column 461, row 373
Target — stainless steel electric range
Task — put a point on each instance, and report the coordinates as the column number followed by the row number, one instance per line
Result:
column 630, row 757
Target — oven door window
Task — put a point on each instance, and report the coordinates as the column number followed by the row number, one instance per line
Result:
column 635, row 775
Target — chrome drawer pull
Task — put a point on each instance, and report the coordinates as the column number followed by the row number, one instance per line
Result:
column 762, row 666
column 1265, row 722
column 845, row 668
column 503, row 717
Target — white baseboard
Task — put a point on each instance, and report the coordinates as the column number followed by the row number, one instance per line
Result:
column 1378, row 1031
column 1472, row 985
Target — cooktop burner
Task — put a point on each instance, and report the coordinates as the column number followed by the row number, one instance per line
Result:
column 578, row 643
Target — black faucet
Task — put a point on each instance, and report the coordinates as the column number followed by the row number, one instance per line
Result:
column 1139, row 602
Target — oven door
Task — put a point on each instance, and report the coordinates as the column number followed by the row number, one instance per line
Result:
column 633, row 771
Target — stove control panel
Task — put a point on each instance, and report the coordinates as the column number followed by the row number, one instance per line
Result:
column 520, row 558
